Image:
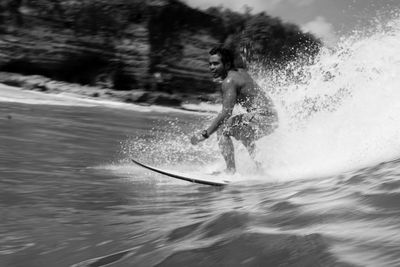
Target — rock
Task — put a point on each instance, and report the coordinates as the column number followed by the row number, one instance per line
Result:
column 159, row 98
column 134, row 96
column 167, row 100
column 148, row 51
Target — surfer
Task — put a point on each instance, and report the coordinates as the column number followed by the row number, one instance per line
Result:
column 237, row 87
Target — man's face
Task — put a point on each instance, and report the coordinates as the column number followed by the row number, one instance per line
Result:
column 217, row 68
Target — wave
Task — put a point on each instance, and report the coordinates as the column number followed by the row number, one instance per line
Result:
column 339, row 114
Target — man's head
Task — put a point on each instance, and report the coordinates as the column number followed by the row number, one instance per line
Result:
column 221, row 61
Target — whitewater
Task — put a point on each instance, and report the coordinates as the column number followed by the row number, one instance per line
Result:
column 341, row 113
column 337, row 115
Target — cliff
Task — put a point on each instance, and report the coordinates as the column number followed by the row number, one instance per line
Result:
column 153, row 45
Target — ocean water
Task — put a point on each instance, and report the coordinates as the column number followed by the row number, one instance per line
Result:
column 69, row 195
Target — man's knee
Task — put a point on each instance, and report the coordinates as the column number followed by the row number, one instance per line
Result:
column 225, row 130
column 222, row 138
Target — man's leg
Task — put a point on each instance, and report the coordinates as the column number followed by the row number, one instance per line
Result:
column 250, row 145
column 243, row 128
column 237, row 127
column 227, row 150
column 242, row 131
column 257, row 126
column 247, row 132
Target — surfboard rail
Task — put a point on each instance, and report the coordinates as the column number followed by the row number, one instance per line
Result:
column 181, row 177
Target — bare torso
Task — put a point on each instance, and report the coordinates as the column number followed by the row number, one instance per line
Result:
column 238, row 88
column 249, row 95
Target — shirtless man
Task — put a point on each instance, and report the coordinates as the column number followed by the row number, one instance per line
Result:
column 237, row 87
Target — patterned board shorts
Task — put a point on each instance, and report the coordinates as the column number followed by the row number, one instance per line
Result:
column 252, row 125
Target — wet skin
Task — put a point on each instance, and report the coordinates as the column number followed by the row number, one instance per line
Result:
column 237, row 88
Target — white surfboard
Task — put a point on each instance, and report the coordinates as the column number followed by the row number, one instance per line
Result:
column 212, row 182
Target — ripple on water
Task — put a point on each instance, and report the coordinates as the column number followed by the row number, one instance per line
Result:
column 255, row 249
column 14, row 244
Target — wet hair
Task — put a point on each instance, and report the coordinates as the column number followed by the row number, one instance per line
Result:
column 225, row 54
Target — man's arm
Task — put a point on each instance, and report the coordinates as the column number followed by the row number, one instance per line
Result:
column 229, row 94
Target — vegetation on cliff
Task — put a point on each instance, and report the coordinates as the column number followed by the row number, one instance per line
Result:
column 264, row 39
column 132, row 44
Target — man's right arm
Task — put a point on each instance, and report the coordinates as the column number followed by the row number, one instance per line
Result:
column 229, row 94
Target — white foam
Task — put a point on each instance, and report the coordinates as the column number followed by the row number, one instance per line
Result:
column 344, row 114
column 203, row 107
column 18, row 95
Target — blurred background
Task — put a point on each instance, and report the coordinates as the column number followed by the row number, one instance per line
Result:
column 144, row 50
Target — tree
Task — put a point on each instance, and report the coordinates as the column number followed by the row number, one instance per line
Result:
column 269, row 41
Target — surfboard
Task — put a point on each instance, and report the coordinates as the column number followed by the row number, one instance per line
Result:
column 212, row 182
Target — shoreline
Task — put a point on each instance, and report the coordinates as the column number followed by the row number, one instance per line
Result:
column 37, row 89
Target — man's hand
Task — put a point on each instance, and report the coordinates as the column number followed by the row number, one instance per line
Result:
column 197, row 138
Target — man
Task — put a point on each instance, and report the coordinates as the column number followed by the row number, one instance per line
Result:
column 237, row 87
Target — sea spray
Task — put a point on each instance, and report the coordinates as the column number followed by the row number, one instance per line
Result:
column 167, row 145
column 340, row 113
